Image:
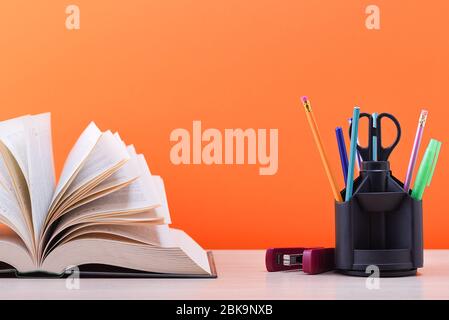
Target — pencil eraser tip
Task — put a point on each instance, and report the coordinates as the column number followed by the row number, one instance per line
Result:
column 304, row 98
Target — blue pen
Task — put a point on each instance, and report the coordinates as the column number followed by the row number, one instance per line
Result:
column 359, row 157
column 374, row 115
column 352, row 153
column 342, row 150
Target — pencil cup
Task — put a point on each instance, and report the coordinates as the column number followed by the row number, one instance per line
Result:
column 380, row 225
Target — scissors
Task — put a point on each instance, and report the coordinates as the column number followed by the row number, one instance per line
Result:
column 375, row 150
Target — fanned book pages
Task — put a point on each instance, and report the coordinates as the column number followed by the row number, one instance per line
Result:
column 107, row 214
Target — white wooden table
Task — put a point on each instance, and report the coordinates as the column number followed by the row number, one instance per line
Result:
column 242, row 275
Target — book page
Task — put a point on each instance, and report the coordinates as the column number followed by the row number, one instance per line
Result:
column 11, row 215
column 153, row 187
column 5, row 179
column 125, row 175
column 13, row 135
column 108, row 155
column 192, row 248
column 41, row 173
column 113, row 251
column 138, row 196
column 13, row 150
column 155, row 235
column 128, row 172
column 94, row 195
column 147, row 216
column 151, row 234
column 13, row 250
column 93, row 215
column 71, row 222
column 19, row 193
column 162, row 211
column 78, row 154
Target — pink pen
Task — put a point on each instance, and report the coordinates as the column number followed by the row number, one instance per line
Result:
column 416, row 144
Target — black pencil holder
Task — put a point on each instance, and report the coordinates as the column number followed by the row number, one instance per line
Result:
column 380, row 225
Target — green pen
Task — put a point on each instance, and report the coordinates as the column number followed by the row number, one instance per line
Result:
column 426, row 169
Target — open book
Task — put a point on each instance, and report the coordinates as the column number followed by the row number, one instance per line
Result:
column 107, row 211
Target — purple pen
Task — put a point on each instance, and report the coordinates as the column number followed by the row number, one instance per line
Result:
column 416, row 144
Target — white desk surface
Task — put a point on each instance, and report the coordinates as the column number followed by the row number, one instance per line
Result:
column 242, row 275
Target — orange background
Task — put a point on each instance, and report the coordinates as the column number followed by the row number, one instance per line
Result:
column 145, row 68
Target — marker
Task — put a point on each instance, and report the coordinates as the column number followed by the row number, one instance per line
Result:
column 319, row 143
column 342, row 150
column 352, row 153
column 426, row 169
column 415, row 150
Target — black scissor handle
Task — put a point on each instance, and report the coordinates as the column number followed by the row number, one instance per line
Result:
column 384, row 153
column 365, row 152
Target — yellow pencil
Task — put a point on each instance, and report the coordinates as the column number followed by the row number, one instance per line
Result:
column 319, row 143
